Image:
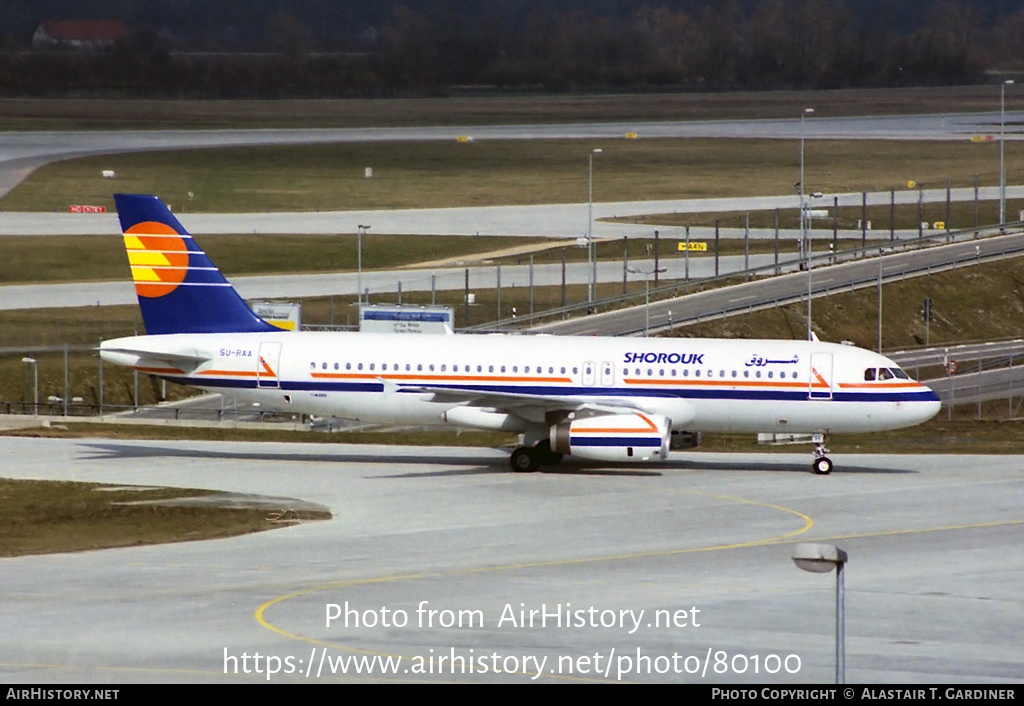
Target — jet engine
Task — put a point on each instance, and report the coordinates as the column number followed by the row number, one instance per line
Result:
column 614, row 437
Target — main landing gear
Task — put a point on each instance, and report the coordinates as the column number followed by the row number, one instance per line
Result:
column 822, row 464
column 527, row 459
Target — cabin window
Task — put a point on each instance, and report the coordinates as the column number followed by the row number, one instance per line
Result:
column 312, row 366
column 770, row 374
column 503, row 368
column 782, row 374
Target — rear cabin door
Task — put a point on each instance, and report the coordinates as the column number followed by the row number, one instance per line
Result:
column 268, row 364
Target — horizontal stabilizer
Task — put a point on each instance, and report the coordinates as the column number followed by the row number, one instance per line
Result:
column 153, row 359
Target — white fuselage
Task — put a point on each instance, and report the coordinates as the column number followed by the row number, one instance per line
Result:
column 518, row 381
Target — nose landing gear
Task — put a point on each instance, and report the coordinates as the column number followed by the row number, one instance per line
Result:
column 822, row 464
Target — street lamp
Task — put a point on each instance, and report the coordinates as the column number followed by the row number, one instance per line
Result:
column 1002, row 133
column 359, row 261
column 35, row 382
column 647, row 299
column 820, row 559
column 591, row 265
column 803, row 220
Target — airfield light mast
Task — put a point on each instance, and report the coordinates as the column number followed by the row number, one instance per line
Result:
column 1002, row 139
column 821, row 559
column 591, row 265
column 803, row 220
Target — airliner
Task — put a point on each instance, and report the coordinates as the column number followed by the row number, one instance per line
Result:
column 599, row 398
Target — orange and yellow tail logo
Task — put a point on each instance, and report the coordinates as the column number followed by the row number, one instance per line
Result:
column 158, row 256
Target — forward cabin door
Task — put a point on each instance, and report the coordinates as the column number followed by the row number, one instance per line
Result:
column 268, row 364
column 820, row 380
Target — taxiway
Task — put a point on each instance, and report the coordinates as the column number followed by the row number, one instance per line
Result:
column 932, row 585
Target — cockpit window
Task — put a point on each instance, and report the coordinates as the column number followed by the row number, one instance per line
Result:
column 869, row 374
column 885, row 374
column 900, row 374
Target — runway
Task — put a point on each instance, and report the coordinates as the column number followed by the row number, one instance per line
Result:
column 423, row 538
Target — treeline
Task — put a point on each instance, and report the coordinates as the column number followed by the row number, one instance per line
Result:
column 432, row 48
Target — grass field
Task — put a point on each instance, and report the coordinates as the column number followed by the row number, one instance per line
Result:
column 494, row 109
column 83, row 258
column 498, row 172
column 46, row 517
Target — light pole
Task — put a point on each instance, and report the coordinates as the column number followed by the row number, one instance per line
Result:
column 359, row 260
column 35, row 382
column 591, row 265
column 647, row 298
column 820, row 559
column 1002, row 139
column 803, row 220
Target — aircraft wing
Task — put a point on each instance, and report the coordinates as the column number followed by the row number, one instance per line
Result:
column 528, row 406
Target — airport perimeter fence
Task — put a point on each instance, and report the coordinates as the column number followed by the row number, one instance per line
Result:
column 677, row 288
column 799, row 290
column 167, row 415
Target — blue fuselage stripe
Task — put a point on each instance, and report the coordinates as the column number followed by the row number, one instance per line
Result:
column 723, row 393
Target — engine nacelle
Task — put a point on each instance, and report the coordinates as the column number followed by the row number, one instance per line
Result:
column 614, row 437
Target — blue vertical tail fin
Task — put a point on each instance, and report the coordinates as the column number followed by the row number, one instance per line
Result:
column 179, row 289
